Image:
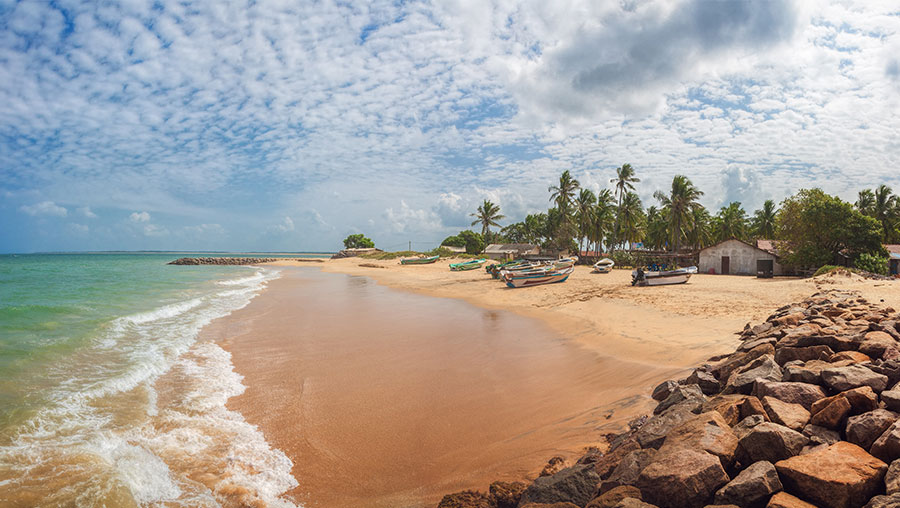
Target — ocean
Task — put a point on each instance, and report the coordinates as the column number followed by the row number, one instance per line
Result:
column 108, row 399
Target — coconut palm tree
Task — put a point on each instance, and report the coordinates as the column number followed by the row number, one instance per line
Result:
column 866, row 202
column 883, row 209
column 731, row 222
column 487, row 215
column 624, row 181
column 764, row 221
column 681, row 202
column 604, row 217
column 632, row 218
column 699, row 232
column 584, row 211
column 657, row 229
column 564, row 193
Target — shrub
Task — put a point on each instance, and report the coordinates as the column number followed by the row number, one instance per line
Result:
column 358, row 241
column 454, row 241
column 474, row 241
column 872, row 263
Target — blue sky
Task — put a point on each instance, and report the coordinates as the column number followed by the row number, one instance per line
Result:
column 284, row 125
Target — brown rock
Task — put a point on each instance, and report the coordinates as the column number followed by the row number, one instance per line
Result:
column 629, row 469
column 681, row 394
column 785, row 500
column 548, row 505
column 892, row 478
column 820, row 435
column 752, row 406
column 809, row 372
column 771, row 442
column 630, row 502
column 706, row 432
column 726, row 405
column 606, row 464
column 653, row 433
column 554, row 465
column 612, row 497
column 864, row 429
column 887, row 446
column 891, row 501
column 466, row 499
column 723, row 369
column 862, row 399
column 853, row 376
column 790, row 319
column 684, row 479
column 746, row 425
column 743, row 379
column 842, row 475
column 576, row 484
column 793, row 393
column 663, row 390
column 832, row 415
column 851, row 356
column 891, row 399
column 875, row 343
column 506, row 494
column 707, row 382
column 792, row 416
column 788, row 354
column 752, row 485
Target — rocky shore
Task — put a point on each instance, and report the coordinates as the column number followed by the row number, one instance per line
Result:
column 805, row 413
column 221, row 261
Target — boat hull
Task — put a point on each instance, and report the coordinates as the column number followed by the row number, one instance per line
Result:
column 680, row 276
column 468, row 265
column 419, row 261
column 537, row 279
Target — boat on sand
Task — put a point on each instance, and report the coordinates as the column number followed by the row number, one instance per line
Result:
column 419, row 261
column 661, row 278
column 548, row 275
column 605, row 265
column 468, row 265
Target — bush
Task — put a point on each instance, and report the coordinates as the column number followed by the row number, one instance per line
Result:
column 358, row 241
column 454, row 241
column 872, row 263
column 826, row 269
column 474, row 242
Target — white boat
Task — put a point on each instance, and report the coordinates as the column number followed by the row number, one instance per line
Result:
column 536, row 278
column 605, row 265
column 662, row 278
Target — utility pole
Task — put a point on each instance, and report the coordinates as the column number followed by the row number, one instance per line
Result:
column 410, row 245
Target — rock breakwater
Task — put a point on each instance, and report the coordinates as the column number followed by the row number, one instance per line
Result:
column 221, row 261
column 805, row 413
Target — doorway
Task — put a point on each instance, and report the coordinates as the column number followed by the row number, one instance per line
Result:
column 726, row 265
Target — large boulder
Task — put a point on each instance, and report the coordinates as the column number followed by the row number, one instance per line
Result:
column 506, row 494
column 663, row 390
column 770, row 442
column 892, row 478
column 853, row 376
column 705, row 432
column 794, row 393
column 842, row 475
column 831, row 415
column 612, row 497
column 682, row 479
column 606, row 464
column 466, row 499
column 785, row 500
column 729, row 406
column 629, row 469
column 889, row 501
column 705, row 380
column 792, row 416
column 653, row 433
column 576, row 484
column 755, row 483
column 864, row 429
column 679, row 395
column 743, row 379
column 887, row 446
column 789, row 354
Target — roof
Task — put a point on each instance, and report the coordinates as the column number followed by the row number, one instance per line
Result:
column 761, row 243
column 509, row 247
column 893, row 250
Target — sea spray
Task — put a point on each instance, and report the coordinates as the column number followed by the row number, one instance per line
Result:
column 132, row 409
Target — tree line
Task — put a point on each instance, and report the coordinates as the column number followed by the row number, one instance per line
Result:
column 811, row 228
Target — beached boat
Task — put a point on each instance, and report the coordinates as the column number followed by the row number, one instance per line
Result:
column 661, row 278
column 468, row 265
column 605, row 265
column 536, row 278
column 419, row 261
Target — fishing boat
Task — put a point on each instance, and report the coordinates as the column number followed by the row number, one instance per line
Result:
column 661, row 278
column 468, row 265
column 605, row 265
column 419, row 261
column 536, row 278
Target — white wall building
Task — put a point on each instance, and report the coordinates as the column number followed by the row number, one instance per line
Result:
column 739, row 258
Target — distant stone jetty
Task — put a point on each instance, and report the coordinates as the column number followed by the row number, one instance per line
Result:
column 807, row 410
column 221, row 261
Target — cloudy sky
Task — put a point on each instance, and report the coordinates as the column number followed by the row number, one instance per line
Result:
column 287, row 125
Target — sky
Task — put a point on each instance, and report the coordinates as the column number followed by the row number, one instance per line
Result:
column 288, row 125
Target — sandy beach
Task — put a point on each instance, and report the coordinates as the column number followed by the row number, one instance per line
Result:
column 416, row 397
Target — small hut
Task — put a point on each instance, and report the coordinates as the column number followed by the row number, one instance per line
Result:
column 737, row 257
column 893, row 258
column 511, row 250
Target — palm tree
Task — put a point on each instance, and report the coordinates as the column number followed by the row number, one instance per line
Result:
column 731, row 222
column 681, row 202
column 866, row 202
column 699, row 232
column 624, row 181
column 584, row 210
column 564, row 193
column 487, row 215
column 603, row 218
column 883, row 209
column 764, row 221
column 632, row 218
column 657, row 229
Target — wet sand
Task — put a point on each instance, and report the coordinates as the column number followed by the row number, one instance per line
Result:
column 385, row 398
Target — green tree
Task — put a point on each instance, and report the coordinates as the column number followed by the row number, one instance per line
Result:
column 564, row 193
column 865, row 203
column 561, row 221
column 474, row 241
column 632, row 219
column 884, row 210
column 813, row 228
column 731, row 222
column 602, row 219
column 699, row 231
column 454, row 241
column 584, row 213
column 624, row 181
column 681, row 203
column 872, row 263
column 657, row 234
column 763, row 223
column 487, row 215
column 358, row 241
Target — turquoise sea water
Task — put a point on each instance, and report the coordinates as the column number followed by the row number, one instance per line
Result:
column 107, row 397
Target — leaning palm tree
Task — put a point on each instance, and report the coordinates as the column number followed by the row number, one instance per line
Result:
column 764, row 221
column 866, row 202
column 624, row 181
column 681, row 202
column 584, row 210
column 487, row 215
column 564, row 193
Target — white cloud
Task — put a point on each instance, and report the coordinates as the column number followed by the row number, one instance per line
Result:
column 86, row 211
column 154, row 230
column 139, row 217
column 286, row 225
column 48, row 208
